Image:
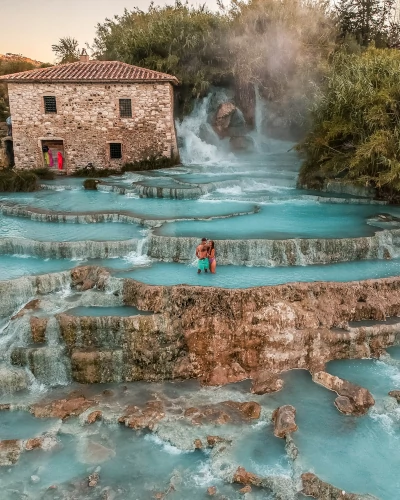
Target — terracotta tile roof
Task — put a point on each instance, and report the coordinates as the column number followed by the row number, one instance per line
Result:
column 92, row 71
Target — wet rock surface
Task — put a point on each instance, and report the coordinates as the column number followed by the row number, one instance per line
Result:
column 316, row 488
column 146, row 417
column 284, row 421
column 396, row 395
column 224, row 412
column 352, row 399
column 62, row 408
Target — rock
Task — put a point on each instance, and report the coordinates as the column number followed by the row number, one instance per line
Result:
column 246, row 489
column 108, row 393
column 30, row 306
column 198, row 445
column 314, row 487
column 46, row 443
column 38, row 329
column 396, row 395
column 93, row 479
column 143, row 418
column 10, row 451
column 352, row 400
column 94, row 416
column 223, row 118
column 241, row 476
column 241, row 143
column 213, row 440
column 12, row 379
column 249, row 410
column 284, row 421
column 61, row 408
column 5, row 406
column 266, row 382
column 211, row 491
column 222, row 375
column 35, row 479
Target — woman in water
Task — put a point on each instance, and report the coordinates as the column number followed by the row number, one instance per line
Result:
column 211, row 257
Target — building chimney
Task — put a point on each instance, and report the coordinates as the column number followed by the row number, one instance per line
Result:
column 84, row 56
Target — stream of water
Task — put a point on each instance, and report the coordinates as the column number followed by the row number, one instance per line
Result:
column 146, row 226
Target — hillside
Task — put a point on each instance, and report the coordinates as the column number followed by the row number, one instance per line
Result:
column 8, row 57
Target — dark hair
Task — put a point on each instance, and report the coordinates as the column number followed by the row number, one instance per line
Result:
column 212, row 244
column 203, row 239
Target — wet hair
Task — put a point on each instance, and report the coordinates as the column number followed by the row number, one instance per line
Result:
column 203, row 239
column 212, row 246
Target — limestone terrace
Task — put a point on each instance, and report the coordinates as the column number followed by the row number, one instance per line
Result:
column 91, row 71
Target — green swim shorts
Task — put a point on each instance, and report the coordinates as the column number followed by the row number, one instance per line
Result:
column 203, row 264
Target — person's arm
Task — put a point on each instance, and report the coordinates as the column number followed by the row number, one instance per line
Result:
column 197, row 252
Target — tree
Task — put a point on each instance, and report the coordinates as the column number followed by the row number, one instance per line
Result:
column 368, row 21
column 67, row 50
column 356, row 123
column 7, row 68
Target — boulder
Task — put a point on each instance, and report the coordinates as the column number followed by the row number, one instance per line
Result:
column 211, row 491
column 93, row 479
column 396, row 395
column 45, row 442
column 246, row 489
column 143, row 418
column 352, row 399
column 266, row 382
column 223, row 118
column 61, row 408
column 94, row 416
column 284, row 421
column 38, row 329
column 10, row 451
column 241, row 476
column 314, row 487
column 249, row 410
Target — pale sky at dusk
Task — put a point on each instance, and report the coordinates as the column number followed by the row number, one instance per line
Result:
column 30, row 27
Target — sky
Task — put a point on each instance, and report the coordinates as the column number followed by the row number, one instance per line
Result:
column 30, row 27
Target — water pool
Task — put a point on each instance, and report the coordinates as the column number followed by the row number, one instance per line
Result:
column 18, row 227
column 246, row 277
column 97, row 311
column 98, row 201
column 285, row 220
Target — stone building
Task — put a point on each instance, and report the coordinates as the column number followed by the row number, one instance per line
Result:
column 104, row 113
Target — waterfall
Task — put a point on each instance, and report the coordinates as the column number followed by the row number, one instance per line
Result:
column 292, row 252
column 76, row 250
column 193, row 149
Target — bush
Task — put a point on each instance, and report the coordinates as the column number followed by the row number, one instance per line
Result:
column 92, row 172
column 91, row 184
column 152, row 163
column 12, row 181
column 44, row 174
column 356, row 124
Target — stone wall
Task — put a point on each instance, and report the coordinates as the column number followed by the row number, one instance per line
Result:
column 88, row 119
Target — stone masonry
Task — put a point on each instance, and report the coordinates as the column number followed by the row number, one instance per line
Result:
column 88, row 119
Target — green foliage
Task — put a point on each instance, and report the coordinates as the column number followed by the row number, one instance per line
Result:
column 181, row 40
column 356, row 123
column 93, row 173
column 66, row 50
column 151, row 163
column 13, row 181
column 368, row 21
column 44, row 173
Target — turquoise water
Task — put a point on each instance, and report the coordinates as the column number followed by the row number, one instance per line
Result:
column 22, row 425
column 394, row 352
column 18, row 227
column 78, row 201
column 286, row 220
column 245, row 277
column 122, row 311
column 12, row 267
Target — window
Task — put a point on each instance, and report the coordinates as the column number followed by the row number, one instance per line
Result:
column 50, row 105
column 125, row 108
column 115, row 150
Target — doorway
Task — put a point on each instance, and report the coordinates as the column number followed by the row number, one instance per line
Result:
column 9, row 148
column 53, row 154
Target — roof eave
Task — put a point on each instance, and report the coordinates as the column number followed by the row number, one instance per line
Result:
column 172, row 80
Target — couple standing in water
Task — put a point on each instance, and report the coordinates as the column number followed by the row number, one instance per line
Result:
column 205, row 252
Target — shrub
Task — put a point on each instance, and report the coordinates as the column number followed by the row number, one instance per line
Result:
column 356, row 123
column 92, row 172
column 44, row 174
column 12, row 181
column 151, row 163
column 90, row 184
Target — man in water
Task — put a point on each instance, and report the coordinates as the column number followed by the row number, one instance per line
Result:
column 202, row 255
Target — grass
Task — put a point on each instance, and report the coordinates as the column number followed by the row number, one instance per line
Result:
column 12, row 181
